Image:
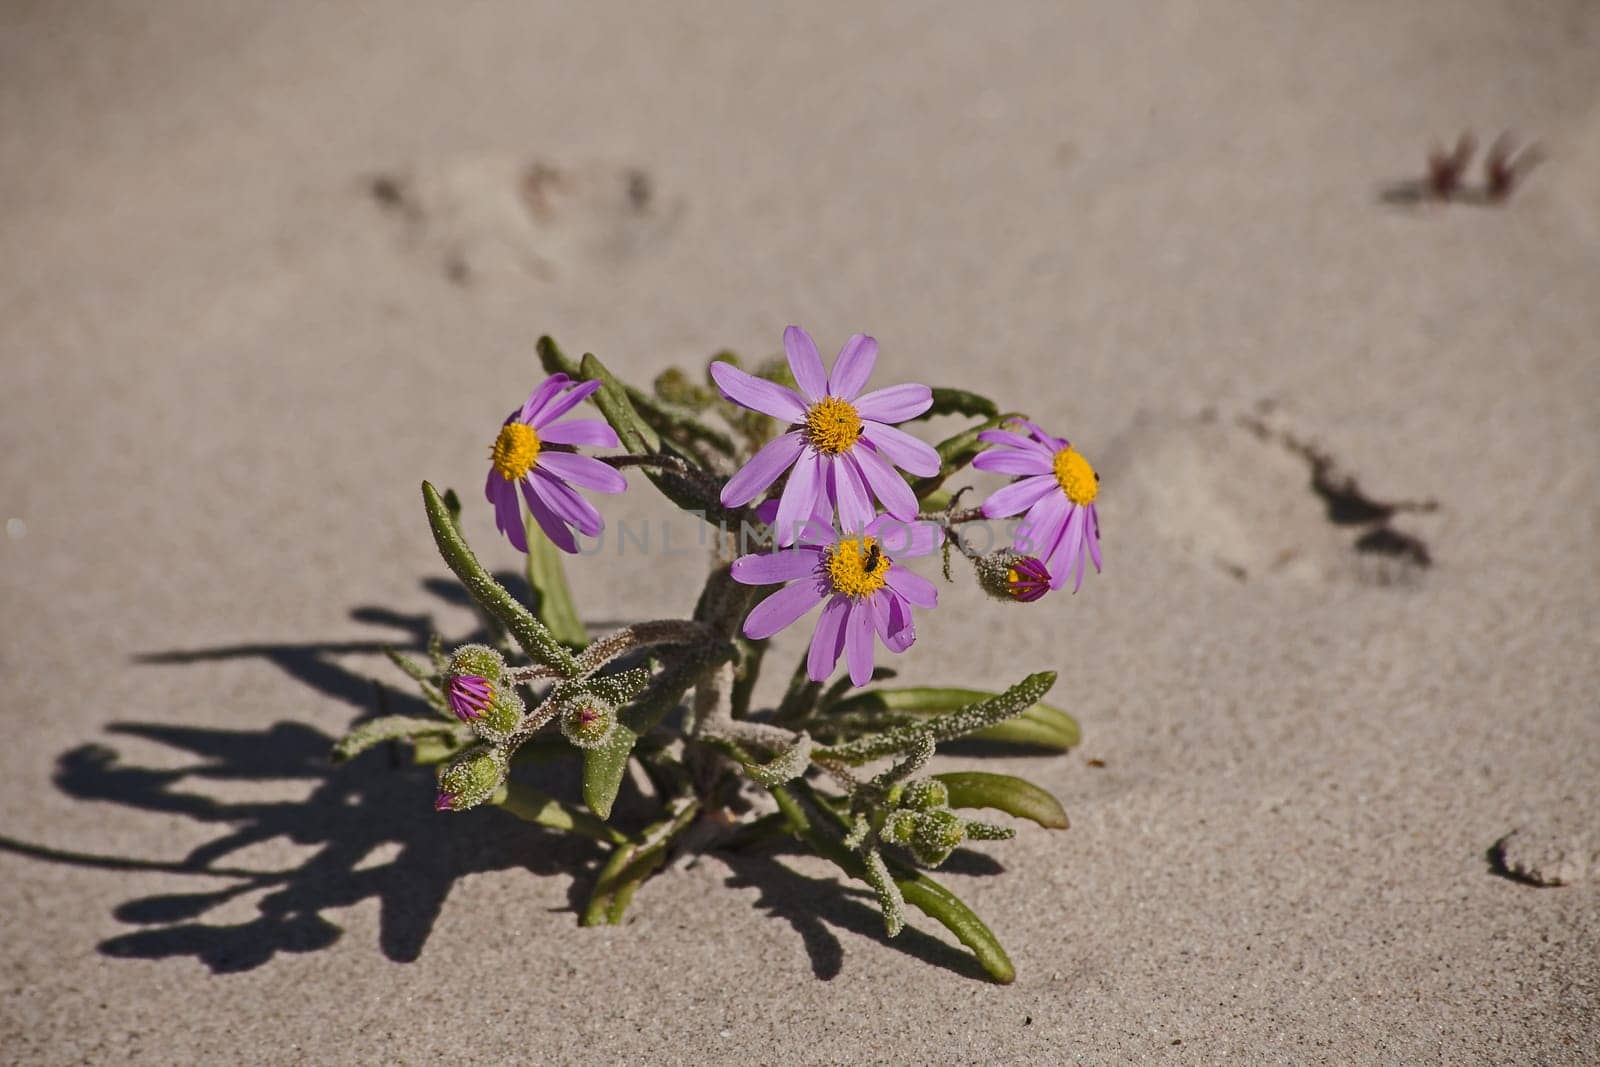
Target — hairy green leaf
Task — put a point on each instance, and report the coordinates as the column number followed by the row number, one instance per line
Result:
column 388, row 728
column 612, row 399
column 603, row 769
column 528, row 631
column 1040, row 725
column 986, row 712
column 553, row 599
column 960, row 402
column 532, row 805
column 1003, row 792
column 916, row 888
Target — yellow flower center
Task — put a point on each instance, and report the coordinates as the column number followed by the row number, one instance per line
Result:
column 515, row 450
column 856, row 567
column 832, row 425
column 1076, row 478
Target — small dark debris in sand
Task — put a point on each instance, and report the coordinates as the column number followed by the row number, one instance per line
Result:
column 641, row 190
column 1096, row 762
column 1346, row 503
column 458, row 271
column 393, row 194
column 1505, row 167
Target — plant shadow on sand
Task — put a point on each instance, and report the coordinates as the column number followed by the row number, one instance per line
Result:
column 376, row 804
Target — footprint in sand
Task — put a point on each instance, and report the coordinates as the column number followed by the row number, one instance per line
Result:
column 1247, row 496
column 494, row 217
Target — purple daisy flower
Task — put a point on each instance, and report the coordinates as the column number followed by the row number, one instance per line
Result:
column 1056, row 487
column 841, row 445
column 519, row 454
column 866, row 591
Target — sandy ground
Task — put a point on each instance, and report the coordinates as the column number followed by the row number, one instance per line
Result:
column 227, row 364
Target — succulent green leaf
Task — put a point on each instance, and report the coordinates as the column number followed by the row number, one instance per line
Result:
column 528, row 631
column 955, row 453
column 430, row 749
column 1041, row 725
column 1003, row 792
column 985, row 712
column 631, row 863
column 621, row 687
column 786, row 765
column 414, row 669
column 960, row 402
column 554, row 360
column 532, row 805
column 890, row 901
column 603, row 769
column 612, row 399
column 916, row 888
column 553, row 599
column 388, row 728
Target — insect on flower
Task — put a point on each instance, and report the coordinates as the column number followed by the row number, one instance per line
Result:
column 865, row 590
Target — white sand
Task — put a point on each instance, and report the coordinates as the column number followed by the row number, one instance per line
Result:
column 226, row 367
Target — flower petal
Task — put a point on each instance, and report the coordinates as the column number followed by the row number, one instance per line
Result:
column 858, row 642
column 564, row 501
column 551, row 523
column 891, row 617
column 1068, row 552
column 782, row 608
column 540, row 397
column 764, row 468
column 1019, row 496
column 564, row 403
column 1040, row 530
column 914, row 587
column 1013, row 461
column 1094, row 536
column 886, row 484
column 896, row 403
column 806, row 363
column 848, row 491
column 901, row 449
column 1050, row 441
column 585, row 471
column 906, row 540
column 853, row 367
column 758, row 394
column 798, row 506
column 507, row 513
column 770, row 568
column 1013, row 440
column 592, row 432
column 828, row 640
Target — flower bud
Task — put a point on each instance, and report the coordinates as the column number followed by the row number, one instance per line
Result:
column 899, row 826
column 936, row 835
column 587, row 721
column 471, row 778
column 925, row 794
column 502, row 716
column 480, row 660
column 1008, row 575
column 472, row 680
